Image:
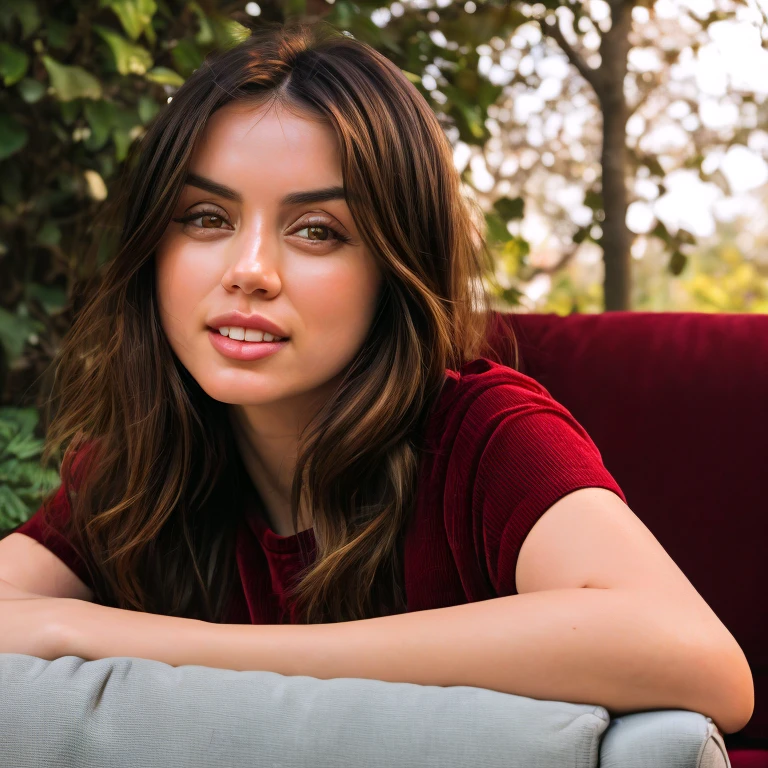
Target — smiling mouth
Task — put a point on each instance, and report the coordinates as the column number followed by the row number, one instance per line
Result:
column 276, row 339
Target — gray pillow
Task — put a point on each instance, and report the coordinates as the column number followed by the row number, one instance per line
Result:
column 136, row 712
column 672, row 738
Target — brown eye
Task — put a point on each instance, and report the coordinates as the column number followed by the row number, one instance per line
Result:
column 321, row 233
column 316, row 232
column 214, row 219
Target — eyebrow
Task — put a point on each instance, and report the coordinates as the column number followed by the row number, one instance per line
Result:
column 293, row 198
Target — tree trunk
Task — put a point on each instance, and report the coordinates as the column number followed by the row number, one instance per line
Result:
column 617, row 239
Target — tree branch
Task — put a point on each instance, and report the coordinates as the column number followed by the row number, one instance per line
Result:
column 554, row 31
column 551, row 270
column 645, row 93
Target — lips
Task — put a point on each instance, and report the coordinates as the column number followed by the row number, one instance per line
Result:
column 241, row 320
column 276, row 338
column 242, row 350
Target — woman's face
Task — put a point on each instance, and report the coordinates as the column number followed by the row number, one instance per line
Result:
column 260, row 254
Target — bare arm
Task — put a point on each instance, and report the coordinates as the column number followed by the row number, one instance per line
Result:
column 26, row 566
column 623, row 649
column 10, row 592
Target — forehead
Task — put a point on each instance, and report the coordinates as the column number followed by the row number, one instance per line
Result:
column 267, row 143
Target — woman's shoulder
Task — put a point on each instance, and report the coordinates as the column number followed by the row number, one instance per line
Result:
column 482, row 387
column 482, row 373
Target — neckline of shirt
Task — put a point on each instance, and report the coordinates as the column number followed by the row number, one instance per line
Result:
column 271, row 540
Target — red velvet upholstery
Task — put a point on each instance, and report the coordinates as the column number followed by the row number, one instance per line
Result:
column 677, row 403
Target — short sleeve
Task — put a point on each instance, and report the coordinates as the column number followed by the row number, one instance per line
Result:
column 535, row 453
column 47, row 527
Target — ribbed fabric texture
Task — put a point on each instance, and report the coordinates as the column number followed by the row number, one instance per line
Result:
column 498, row 452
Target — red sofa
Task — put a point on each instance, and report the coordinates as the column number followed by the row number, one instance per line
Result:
column 677, row 403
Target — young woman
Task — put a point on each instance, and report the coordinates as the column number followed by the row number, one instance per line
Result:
column 367, row 466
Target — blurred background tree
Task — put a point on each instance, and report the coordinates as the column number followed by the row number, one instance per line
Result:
column 601, row 138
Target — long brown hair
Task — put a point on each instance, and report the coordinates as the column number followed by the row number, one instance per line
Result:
column 155, row 516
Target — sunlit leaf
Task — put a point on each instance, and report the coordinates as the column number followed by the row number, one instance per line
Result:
column 496, row 231
column 71, row 82
column 205, row 35
column 513, row 254
column 164, row 76
column 147, row 108
column 130, row 58
column 13, row 63
column 122, row 139
column 228, row 32
column 135, row 15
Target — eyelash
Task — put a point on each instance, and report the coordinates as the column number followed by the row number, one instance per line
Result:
column 199, row 214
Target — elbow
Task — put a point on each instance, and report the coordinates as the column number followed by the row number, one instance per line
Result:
column 729, row 696
column 734, row 719
column 740, row 711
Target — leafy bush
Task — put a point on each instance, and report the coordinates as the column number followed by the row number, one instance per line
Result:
column 23, row 482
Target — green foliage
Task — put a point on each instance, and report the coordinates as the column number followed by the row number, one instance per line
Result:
column 407, row 42
column 135, row 16
column 23, row 482
column 716, row 278
column 70, row 83
column 509, row 209
column 721, row 278
column 13, row 64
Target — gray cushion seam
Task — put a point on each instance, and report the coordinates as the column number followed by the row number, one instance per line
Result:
column 714, row 735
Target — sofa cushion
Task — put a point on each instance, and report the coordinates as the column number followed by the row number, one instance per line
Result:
column 673, row 738
column 127, row 711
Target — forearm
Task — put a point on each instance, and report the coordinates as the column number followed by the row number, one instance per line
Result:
column 623, row 650
column 10, row 591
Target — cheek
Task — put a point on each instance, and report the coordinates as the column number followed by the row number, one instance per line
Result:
column 340, row 296
column 180, row 288
column 337, row 311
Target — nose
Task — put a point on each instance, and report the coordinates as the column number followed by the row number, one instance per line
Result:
column 255, row 260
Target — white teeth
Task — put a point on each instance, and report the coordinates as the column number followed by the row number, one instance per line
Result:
column 246, row 334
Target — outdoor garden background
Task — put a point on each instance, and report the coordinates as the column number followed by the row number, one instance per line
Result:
column 617, row 148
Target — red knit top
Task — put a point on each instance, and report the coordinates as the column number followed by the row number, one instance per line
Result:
column 498, row 452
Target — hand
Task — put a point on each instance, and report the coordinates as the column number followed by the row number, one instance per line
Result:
column 31, row 625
